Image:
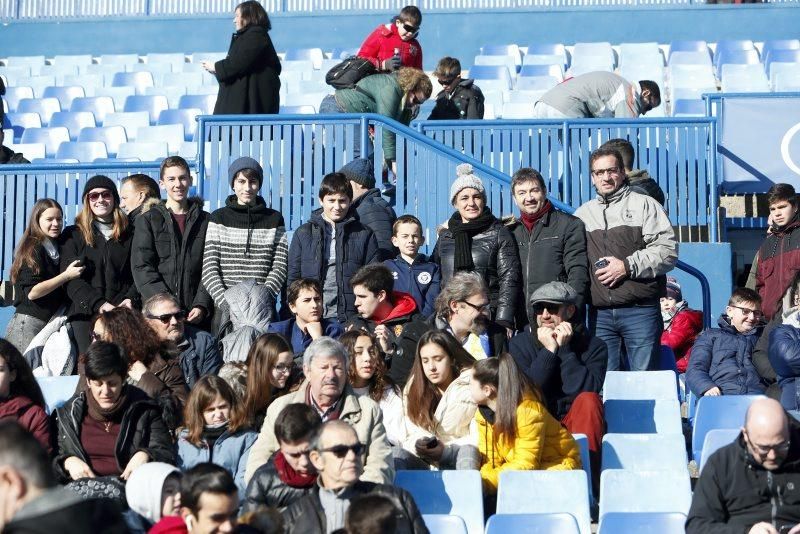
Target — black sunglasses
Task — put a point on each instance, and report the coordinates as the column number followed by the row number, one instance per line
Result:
column 340, row 451
column 167, row 317
column 477, row 308
column 410, row 29
column 551, row 307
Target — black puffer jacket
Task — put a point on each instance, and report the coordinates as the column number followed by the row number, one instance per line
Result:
column 306, row 515
column 465, row 102
column 494, row 253
column 376, row 214
column 107, row 277
column 164, row 261
column 267, row 489
column 142, row 429
column 356, row 246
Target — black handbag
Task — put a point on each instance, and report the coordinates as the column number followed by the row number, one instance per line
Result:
column 108, row 487
column 348, row 73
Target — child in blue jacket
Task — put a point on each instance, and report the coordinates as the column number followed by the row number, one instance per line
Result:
column 413, row 273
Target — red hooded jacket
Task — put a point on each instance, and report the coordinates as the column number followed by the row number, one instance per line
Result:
column 380, row 45
column 30, row 416
column 681, row 334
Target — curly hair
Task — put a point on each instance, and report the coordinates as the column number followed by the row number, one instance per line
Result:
column 380, row 380
column 129, row 330
column 411, row 79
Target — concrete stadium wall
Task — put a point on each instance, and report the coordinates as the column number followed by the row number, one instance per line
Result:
column 459, row 33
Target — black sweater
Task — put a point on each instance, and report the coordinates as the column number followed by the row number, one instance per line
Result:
column 44, row 307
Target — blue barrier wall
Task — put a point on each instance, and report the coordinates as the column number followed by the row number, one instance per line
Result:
column 453, row 32
column 714, row 260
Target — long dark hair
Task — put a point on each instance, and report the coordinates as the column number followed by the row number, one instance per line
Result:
column 31, row 237
column 511, row 385
column 260, row 360
column 253, row 14
column 24, row 384
column 422, row 397
column 379, row 380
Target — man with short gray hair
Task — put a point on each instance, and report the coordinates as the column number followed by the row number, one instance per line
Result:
column 326, row 390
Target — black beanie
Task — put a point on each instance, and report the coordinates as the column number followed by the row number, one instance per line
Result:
column 100, row 181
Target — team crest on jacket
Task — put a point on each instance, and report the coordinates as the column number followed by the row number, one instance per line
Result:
column 398, row 329
column 424, row 278
column 394, row 275
column 413, row 50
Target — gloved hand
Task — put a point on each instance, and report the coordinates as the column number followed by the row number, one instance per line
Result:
column 393, row 63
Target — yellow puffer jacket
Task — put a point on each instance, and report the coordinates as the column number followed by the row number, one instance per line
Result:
column 541, row 443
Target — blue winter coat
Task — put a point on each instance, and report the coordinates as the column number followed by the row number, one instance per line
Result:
column 230, row 451
column 200, row 355
column 301, row 340
column 721, row 357
column 356, row 246
column 376, row 214
column 420, row 279
column 784, row 355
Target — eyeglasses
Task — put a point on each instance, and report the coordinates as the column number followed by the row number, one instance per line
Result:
column 747, row 311
column 340, row 451
column 763, row 450
column 602, row 172
column 296, row 455
column 411, row 29
column 106, row 195
column 480, row 308
column 282, row 368
column 551, row 307
column 167, row 317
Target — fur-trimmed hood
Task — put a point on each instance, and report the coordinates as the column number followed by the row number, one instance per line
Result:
column 152, row 202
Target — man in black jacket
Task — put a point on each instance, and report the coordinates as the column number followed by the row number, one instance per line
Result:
column 459, row 98
column 336, row 454
column 753, row 484
column 551, row 243
column 369, row 206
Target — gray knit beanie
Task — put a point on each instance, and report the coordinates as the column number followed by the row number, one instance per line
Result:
column 465, row 178
column 360, row 171
column 243, row 163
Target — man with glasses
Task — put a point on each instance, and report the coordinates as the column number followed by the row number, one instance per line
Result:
column 721, row 360
column 753, row 484
column 563, row 359
column 200, row 355
column 394, row 45
column 325, row 364
column 459, row 98
column 631, row 247
column 336, row 453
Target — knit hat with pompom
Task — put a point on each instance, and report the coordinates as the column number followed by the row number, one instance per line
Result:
column 465, row 178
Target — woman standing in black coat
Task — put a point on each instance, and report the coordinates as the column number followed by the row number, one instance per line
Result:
column 101, row 240
column 475, row 240
column 248, row 76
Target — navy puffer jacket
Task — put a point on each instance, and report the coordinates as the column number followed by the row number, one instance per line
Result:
column 722, row 357
column 376, row 214
column 784, row 355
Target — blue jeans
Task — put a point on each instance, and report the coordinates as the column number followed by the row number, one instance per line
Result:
column 636, row 330
column 330, row 105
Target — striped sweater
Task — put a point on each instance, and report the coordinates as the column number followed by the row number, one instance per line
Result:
column 244, row 242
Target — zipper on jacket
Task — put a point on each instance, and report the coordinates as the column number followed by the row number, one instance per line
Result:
column 773, row 499
column 605, row 242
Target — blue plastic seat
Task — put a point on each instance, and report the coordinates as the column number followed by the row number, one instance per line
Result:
column 45, row 107
column 644, row 452
column 77, row 60
column 175, row 60
column 484, row 74
column 500, row 50
column 185, row 117
column 667, row 360
column 535, row 83
column 203, row 102
column 31, row 151
column 444, row 524
column 65, row 95
column 151, row 151
column 583, row 446
column 716, row 439
column 737, row 57
column 725, row 411
column 121, row 60
column 172, row 134
column 688, row 108
column 314, row 55
column 650, row 522
column 602, row 51
column 18, row 122
column 509, row 62
column 305, row 109
column 117, row 94
column 729, row 45
column 13, row 74
column 640, row 385
column 554, row 71
column 112, row 136
column 99, row 106
column 545, row 523
column 15, row 94
column 51, row 138
column 622, row 490
column 550, row 49
column 6, row 312
column 74, row 121
column 131, row 121
column 33, row 62
column 643, row 416
column 687, row 46
column 83, row 151
column 456, row 493
column 152, row 104
column 138, row 80
column 57, row 390
column 779, row 44
column 780, row 56
column 536, row 492
column 689, row 58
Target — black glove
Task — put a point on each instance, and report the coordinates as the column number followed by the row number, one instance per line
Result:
column 393, row 63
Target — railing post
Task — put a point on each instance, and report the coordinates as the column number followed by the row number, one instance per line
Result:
column 201, row 156
column 713, row 186
column 566, row 187
column 364, row 135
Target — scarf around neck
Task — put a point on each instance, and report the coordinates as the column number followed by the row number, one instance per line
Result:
column 463, row 232
column 104, row 415
column 291, row 477
column 530, row 220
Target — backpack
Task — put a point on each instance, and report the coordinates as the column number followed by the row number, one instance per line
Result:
column 349, row 72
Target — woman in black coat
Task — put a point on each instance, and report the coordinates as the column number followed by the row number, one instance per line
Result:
column 475, row 240
column 248, row 76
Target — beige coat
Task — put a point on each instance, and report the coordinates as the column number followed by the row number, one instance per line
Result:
column 362, row 413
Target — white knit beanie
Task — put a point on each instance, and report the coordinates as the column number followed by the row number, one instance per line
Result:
column 465, row 178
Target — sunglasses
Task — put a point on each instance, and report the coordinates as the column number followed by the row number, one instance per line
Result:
column 478, row 308
column 551, row 307
column 411, row 29
column 340, row 451
column 167, row 317
column 105, row 195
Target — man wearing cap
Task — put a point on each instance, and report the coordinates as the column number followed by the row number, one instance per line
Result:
column 245, row 240
column 369, row 206
column 567, row 362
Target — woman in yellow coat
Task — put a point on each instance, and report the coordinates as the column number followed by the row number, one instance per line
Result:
column 515, row 431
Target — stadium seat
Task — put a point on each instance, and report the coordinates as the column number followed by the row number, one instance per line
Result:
column 507, row 61
column 744, row 79
column 314, row 86
column 517, row 110
column 76, row 60
column 83, row 151
column 34, row 63
column 787, row 80
column 638, row 53
column 643, row 416
column 688, row 46
column 152, row 104
column 45, row 107
column 691, row 76
column 650, row 522
column 117, row 94
column 158, row 70
column 689, row 58
column 502, row 50
column 119, row 59
column 737, row 57
column 89, row 82
column 57, row 390
column 601, row 50
column 51, row 138
column 137, row 80
column 583, row 445
column 305, row 67
column 342, row 53
column 73, row 121
column 622, row 490
column 725, row 411
column 553, row 71
column 186, row 79
column 585, row 64
column 13, row 74
column 54, row 161
column 666, row 361
column 15, row 94
column 524, row 95
column 18, row 122
column 131, row 121
column 38, row 84
column 491, row 77
column 780, row 56
column 112, row 136
column 31, row 151
column 314, row 55
column 203, row 102
column 188, row 151
column 99, row 106
column 172, row 93
column 714, row 440
column 644, row 452
column 684, row 107
column 199, row 57
column 58, row 72
column 304, row 99
column 172, row 134
column 185, row 117
column 106, row 71
column 779, row 44
column 544, row 523
column 176, row 60
column 297, row 110
column 554, row 491
column 143, row 151
column 455, row 493
column 637, row 385
column 444, row 524
column 730, row 45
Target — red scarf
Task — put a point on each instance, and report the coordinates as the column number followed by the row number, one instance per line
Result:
column 530, row 220
column 291, row 477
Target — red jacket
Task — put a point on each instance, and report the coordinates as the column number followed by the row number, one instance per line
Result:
column 380, row 45
column 30, row 416
column 778, row 260
column 681, row 334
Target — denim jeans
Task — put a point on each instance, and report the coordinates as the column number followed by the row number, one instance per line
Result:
column 632, row 330
column 329, row 104
column 466, row 457
column 22, row 329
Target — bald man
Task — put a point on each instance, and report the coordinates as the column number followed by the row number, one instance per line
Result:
column 753, row 484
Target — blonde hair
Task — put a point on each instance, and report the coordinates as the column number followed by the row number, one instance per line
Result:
column 85, row 218
column 410, row 79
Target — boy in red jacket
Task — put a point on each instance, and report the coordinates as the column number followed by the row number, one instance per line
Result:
column 400, row 34
column 681, row 324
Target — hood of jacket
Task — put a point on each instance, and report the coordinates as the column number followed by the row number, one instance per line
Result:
column 143, row 489
column 616, row 196
column 15, row 407
column 250, row 305
column 724, row 323
column 317, row 218
column 151, row 203
column 404, row 305
column 370, row 195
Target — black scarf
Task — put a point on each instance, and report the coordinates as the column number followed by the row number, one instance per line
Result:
column 463, row 234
